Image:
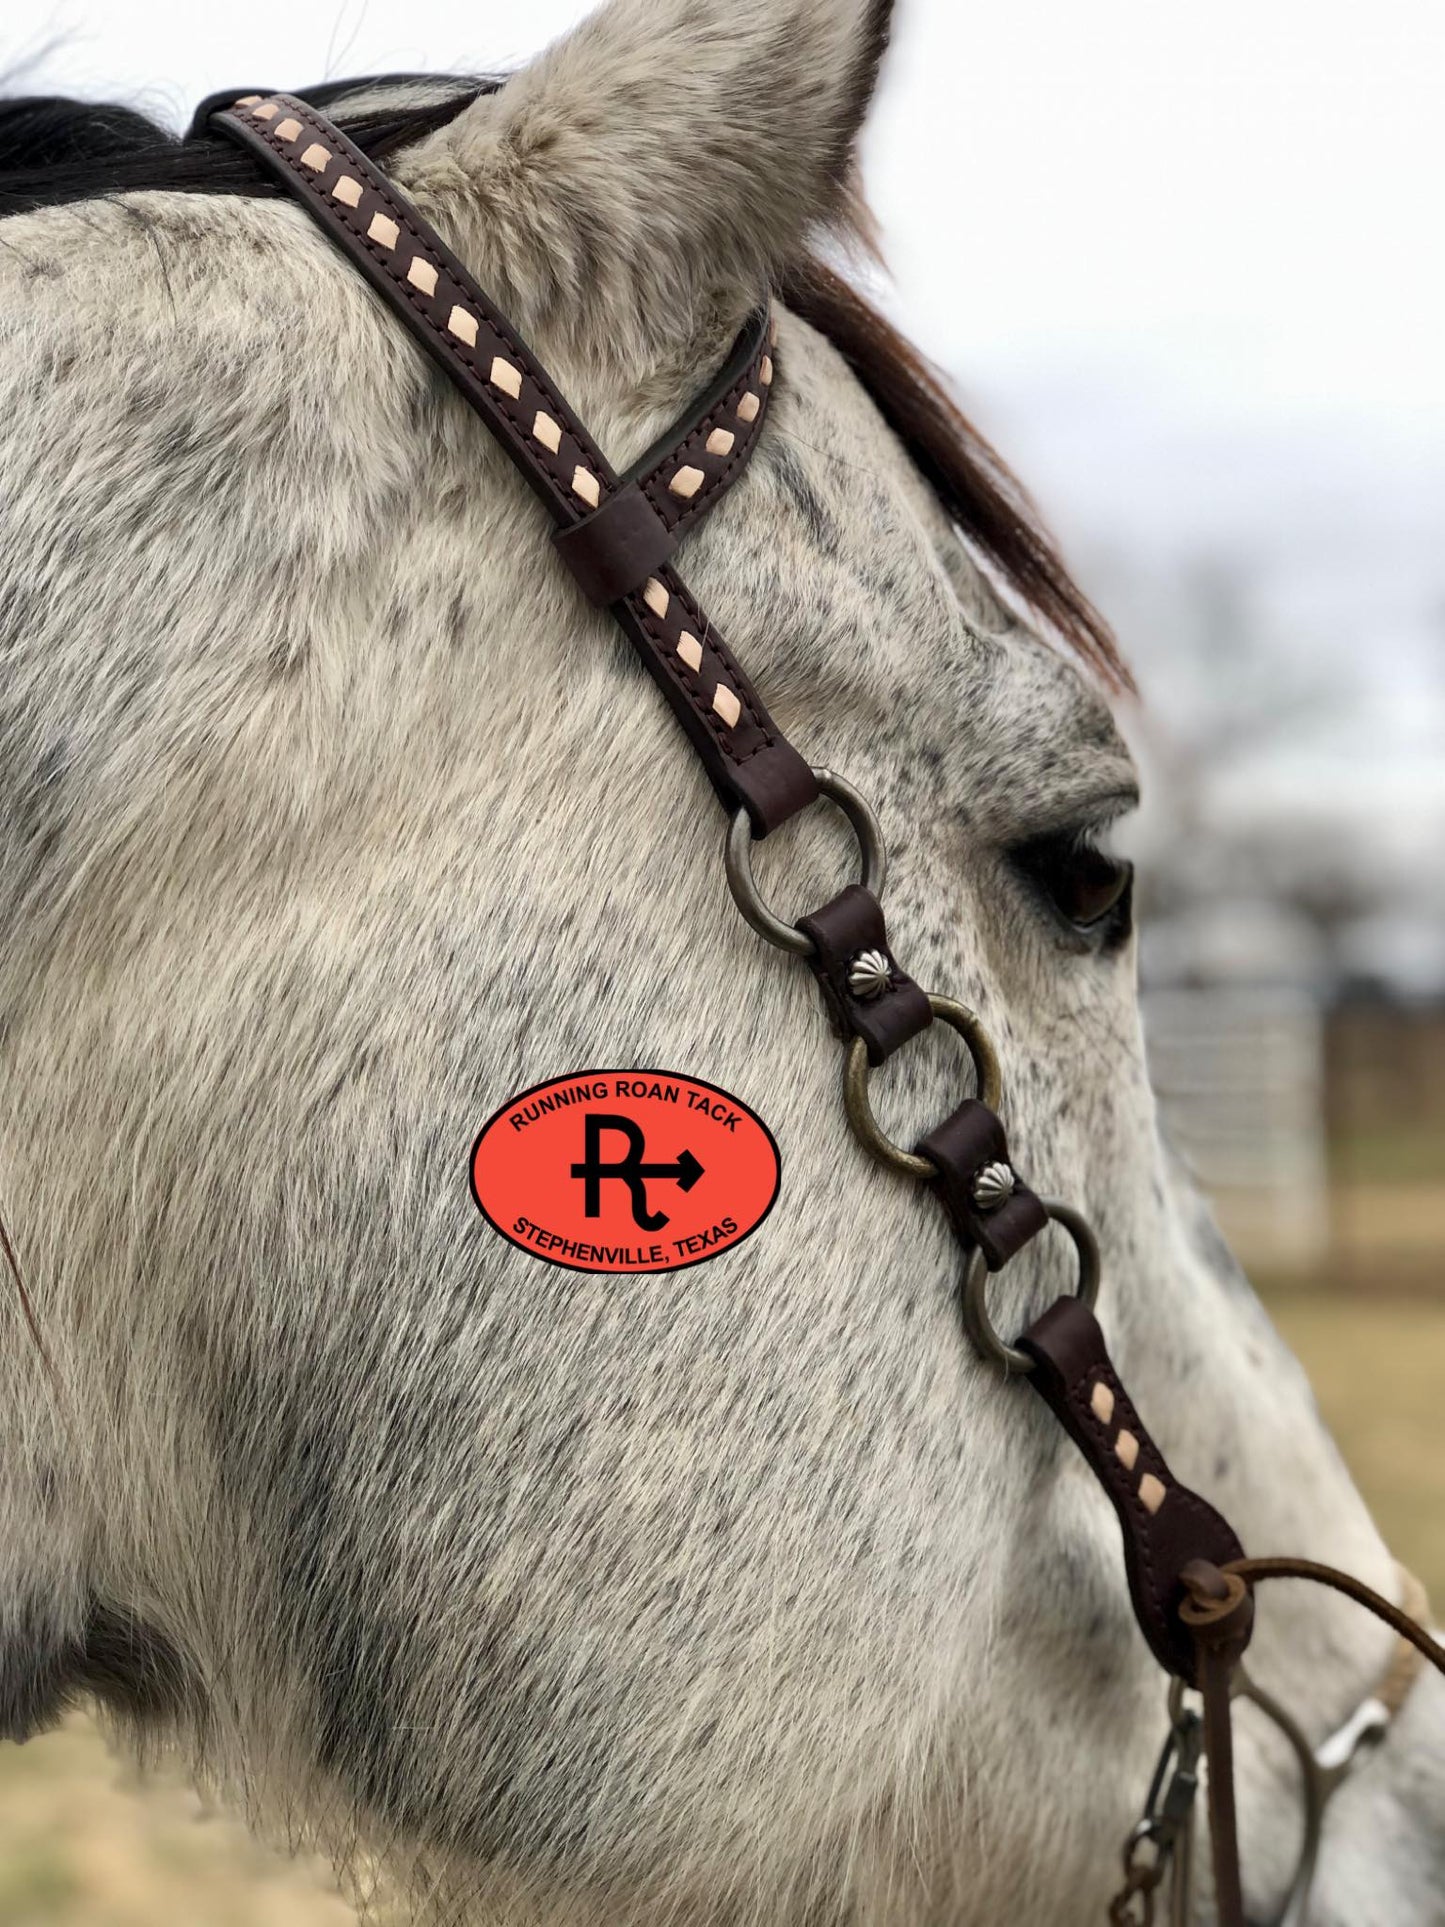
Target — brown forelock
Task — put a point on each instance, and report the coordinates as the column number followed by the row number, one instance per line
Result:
column 988, row 504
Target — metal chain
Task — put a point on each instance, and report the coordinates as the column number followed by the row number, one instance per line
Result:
column 857, row 1104
column 1160, row 1846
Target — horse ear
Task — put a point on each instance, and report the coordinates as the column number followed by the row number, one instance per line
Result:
column 643, row 176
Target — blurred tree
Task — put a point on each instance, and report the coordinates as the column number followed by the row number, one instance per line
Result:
column 1227, row 685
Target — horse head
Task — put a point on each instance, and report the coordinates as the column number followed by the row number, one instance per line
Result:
column 330, row 815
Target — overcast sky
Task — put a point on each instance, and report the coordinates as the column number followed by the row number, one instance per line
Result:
column 1241, row 202
column 1184, row 262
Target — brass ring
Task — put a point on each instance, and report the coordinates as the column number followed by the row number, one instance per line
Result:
column 738, row 859
column 860, row 1109
column 976, row 1321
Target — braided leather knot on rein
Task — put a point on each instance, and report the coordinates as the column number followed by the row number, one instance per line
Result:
column 1219, row 1607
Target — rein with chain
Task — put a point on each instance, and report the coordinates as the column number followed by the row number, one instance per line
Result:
column 1189, row 1580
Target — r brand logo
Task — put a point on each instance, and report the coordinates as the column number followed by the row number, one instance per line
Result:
column 625, row 1171
column 630, row 1170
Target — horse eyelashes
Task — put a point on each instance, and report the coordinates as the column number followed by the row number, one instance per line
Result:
column 1086, row 886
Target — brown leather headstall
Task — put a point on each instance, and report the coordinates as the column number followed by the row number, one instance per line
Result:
column 618, row 535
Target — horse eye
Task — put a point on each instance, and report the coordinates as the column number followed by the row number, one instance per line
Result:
column 1086, row 886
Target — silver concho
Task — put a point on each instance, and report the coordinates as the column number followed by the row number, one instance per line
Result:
column 993, row 1186
column 870, row 974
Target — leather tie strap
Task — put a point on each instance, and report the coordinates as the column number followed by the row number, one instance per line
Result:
column 867, row 994
column 1403, row 1621
column 616, row 535
column 1216, row 1673
column 1218, row 1611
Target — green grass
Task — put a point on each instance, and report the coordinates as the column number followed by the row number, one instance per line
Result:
column 1378, row 1369
column 1383, row 1156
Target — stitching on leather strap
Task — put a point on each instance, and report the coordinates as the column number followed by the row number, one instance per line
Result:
column 349, row 218
column 708, row 640
column 654, row 483
column 424, row 281
column 406, row 218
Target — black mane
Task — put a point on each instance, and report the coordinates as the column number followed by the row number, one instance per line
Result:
column 54, row 150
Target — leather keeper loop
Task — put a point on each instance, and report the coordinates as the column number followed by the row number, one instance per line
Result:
column 615, row 549
column 850, row 946
column 774, row 785
column 969, row 1142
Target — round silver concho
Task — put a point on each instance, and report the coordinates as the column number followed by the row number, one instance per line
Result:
column 993, row 1186
column 870, row 974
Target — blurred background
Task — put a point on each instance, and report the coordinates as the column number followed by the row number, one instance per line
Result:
column 1184, row 270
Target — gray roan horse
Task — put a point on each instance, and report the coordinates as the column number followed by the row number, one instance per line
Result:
column 333, row 814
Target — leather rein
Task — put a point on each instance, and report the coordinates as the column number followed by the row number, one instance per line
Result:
column 1189, row 1580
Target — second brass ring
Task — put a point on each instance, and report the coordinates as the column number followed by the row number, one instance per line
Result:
column 859, row 1107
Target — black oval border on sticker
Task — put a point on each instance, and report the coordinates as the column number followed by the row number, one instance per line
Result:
column 623, row 1070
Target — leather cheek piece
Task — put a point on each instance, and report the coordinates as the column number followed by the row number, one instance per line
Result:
column 969, row 1139
column 1165, row 1525
column 615, row 549
column 773, row 786
column 843, row 931
column 755, row 768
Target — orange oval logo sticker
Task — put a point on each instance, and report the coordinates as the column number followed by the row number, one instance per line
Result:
column 625, row 1171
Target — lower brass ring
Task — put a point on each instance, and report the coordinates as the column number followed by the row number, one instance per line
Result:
column 976, row 1321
